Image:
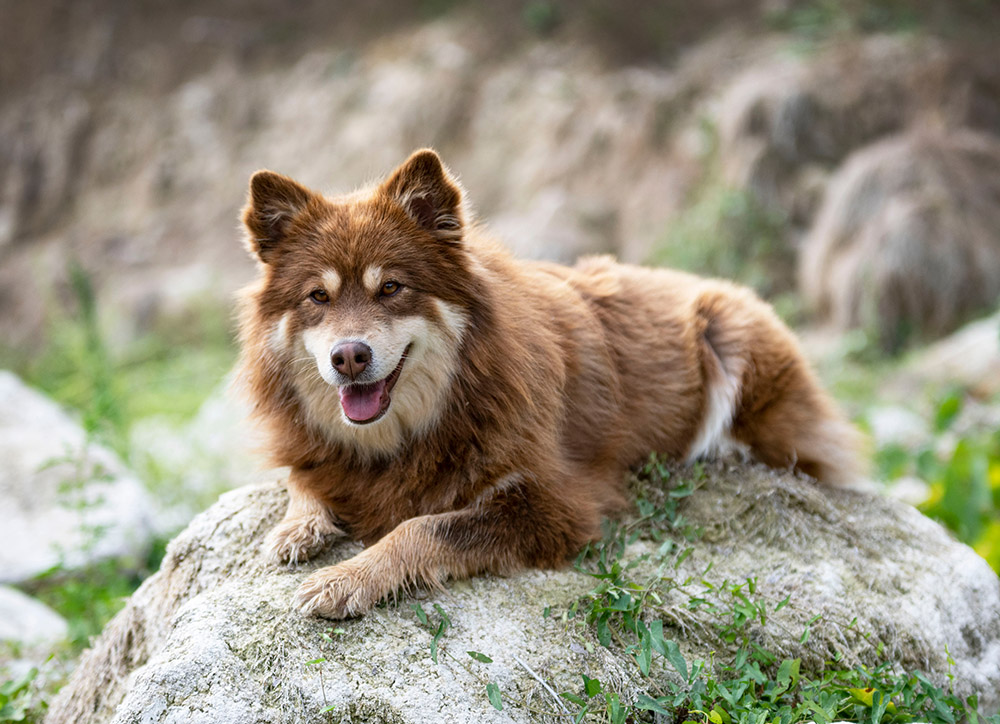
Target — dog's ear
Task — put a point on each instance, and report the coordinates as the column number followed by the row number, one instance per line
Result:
column 428, row 194
column 273, row 203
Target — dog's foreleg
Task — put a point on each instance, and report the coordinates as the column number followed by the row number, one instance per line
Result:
column 308, row 525
column 516, row 524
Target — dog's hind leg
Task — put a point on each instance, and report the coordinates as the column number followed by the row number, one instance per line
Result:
column 780, row 411
column 792, row 423
column 516, row 524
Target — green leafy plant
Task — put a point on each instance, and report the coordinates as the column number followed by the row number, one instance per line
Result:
column 17, row 701
column 318, row 663
column 438, row 628
column 964, row 478
column 443, row 624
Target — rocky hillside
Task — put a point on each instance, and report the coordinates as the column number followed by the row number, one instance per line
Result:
column 126, row 144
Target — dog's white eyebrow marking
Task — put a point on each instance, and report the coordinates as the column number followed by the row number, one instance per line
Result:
column 373, row 279
column 331, row 282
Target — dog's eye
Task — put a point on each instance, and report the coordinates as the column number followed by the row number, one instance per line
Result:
column 319, row 296
column 390, row 288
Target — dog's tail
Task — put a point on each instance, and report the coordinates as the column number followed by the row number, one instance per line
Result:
column 761, row 387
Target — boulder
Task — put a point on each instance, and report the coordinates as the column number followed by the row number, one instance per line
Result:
column 970, row 358
column 212, row 636
column 907, row 242
column 66, row 500
column 27, row 621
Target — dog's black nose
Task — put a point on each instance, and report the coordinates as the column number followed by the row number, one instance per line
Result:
column 351, row 358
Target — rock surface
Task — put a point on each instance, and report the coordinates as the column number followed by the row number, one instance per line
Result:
column 970, row 357
column 65, row 499
column 212, row 637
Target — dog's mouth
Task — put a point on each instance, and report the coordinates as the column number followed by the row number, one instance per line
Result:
column 367, row 402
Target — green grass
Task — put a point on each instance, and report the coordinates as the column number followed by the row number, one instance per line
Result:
column 167, row 371
column 725, row 232
column 90, row 597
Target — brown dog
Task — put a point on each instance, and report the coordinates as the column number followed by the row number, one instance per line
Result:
column 461, row 412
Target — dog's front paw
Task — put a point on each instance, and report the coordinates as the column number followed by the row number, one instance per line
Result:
column 296, row 540
column 341, row 591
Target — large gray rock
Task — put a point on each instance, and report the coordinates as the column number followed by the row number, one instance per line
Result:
column 970, row 357
column 65, row 499
column 212, row 636
column 27, row 621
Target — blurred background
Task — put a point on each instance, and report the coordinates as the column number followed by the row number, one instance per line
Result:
column 843, row 158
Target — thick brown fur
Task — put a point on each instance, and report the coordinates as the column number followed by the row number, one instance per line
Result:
column 524, row 391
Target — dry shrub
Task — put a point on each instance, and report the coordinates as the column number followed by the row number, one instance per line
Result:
column 907, row 241
column 786, row 123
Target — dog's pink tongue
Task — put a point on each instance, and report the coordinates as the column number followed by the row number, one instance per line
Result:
column 362, row 402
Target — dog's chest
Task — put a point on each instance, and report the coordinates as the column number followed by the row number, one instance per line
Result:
column 373, row 499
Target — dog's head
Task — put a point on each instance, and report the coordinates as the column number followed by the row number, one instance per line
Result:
column 363, row 298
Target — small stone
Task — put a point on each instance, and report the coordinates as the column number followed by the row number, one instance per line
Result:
column 891, row 425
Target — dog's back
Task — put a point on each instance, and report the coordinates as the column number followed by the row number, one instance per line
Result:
column 692, row 367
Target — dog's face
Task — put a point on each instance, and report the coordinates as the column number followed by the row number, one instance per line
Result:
column 362, row 298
